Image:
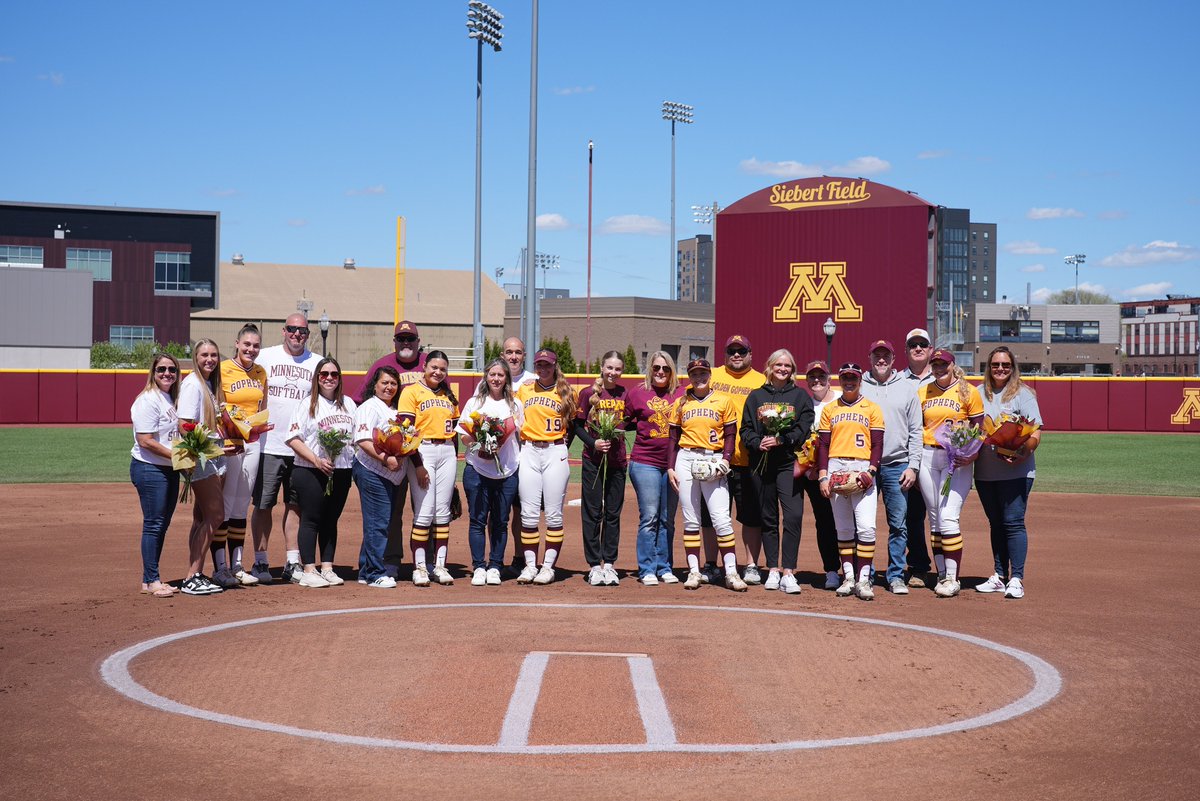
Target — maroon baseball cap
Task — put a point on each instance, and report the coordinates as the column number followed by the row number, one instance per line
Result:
column 850, row 368
column 698, row 364
column 544, row 355
column 881, row 343
column 739, row 340
column 817, row 365
column 407, row 327
column 941, row 354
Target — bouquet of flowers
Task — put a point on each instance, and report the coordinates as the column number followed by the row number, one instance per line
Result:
column 959, row 439
column 239, row 425
column 1008, row 434
column 193, row 449
column 333, row 441
column 605, row 425
column 396, row 438
column 806, row 456
column 490, row 434
column 776, row 418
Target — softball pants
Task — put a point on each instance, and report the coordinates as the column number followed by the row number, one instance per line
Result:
column 715, row 493
column 543, row 475
column 944, row 511
column 431, row 505
column 241, row 471
column 854, row 516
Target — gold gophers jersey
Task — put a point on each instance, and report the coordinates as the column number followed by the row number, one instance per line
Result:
column 737, row 386
column 849, row 426
column 244, row 388
column 702, row 421
column 939, row 405
column 544, row 421
column 433, row 413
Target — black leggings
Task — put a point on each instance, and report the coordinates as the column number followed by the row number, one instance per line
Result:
column 600, row 510
column 319, row 512
column 826, row 528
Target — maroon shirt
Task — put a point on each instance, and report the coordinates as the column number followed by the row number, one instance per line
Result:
column 607, row 401
column 650, row 409
column 409, row 374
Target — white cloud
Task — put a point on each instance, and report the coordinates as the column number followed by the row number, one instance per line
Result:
column 634, row 224
column 573, row 90
column 1156, row 252
column 1024, row 247
column 1112, row 214
column 1040, row 295
column 377, row 189
column 297, row 222
column 552, row 222
column 56, row 78
column 933, row 154
column 228, row 192
column 1149, row 291
column 1088, row 286
column 862, row 165
column 1052, row 214
column 1034, row 268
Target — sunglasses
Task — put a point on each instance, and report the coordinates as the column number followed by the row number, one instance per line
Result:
column 1001, row 365
column 736, row 352
column 405, row 338
column 296, row 329
column 914, row 344
column 661, row 368
column 328, row 374
column 165, row 370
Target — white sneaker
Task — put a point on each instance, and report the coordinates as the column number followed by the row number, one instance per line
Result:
column 947, row 588
column 479, row 577
column 244, row 578
column 693, row 580
column 789, row 584
column 1015, row 589
column 611, row 579
column 595, row 576
column 292, row 571
column 420, row 576
column 649, row 580
column 864, row 590
column 772, row 582
column 333, row 578
column 493, row 576
column 832, row 580
column 993, row 584
column 312, row 580
column 528, row 574
column 751, row 575
column 442, row 575
column 734, row 582
column 383, row 583
column 668, row 578
column 847, row 587
column 544, row 576
column 898, row 587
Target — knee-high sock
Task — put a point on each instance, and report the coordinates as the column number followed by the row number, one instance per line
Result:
column 529, row 544
column 691, row 546
column 441, row 536
column 846, row 549
column 939, row 560
column 417, row 541
column 727, row 547
column 952, row 548
column 864, row 555
column 554, row 538
column 237, row 541
column 220, row 537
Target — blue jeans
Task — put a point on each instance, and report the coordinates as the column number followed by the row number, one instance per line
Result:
column 656, row 518
column 1004, row 503
column 376, row 495
column 895, row 502
column 158, row 490
column 489, row 504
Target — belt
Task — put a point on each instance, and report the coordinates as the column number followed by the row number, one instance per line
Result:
column 543, row 443
column 699, row 450
column 432, row 441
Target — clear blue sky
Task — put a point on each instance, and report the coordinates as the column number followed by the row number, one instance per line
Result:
column 311, row 126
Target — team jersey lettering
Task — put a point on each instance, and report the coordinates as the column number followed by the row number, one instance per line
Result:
column 849, row 426
column 543, row 413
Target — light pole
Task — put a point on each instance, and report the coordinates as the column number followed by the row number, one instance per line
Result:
column 529, row 324
column 544, row 262
column 324, row 333
column 830, row 328
column 674, row 112
column 484, row 26
column 587, row 345
column 707, row 215
column 1077, row 259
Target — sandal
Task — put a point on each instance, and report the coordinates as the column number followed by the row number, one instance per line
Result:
column 163, row 590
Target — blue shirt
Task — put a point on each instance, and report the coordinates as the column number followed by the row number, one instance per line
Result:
column 989, row 466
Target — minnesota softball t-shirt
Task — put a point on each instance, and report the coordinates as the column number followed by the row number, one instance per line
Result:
column 289, row 381
column 307, row 427
column 153, row 412
column 369, row 416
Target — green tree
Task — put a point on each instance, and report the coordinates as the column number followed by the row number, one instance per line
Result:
column 1086, row 298
column 109, row 356
column 562, row 349
column 631, row 360
column 492, row 350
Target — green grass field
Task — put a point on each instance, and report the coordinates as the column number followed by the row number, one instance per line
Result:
column 1105, row 464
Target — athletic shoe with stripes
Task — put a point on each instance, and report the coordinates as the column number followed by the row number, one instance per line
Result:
column 383, row 583
column 291, row 572
column 199, row 585
column 1015, row 589
column 993, row 584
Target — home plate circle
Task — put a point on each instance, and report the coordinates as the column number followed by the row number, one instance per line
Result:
column 525, row 678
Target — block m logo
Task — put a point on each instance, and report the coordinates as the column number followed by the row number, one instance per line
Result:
column 1189, row 410
column 805, row 295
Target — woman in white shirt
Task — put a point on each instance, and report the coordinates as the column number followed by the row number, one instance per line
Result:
column 317, row 470
column 490, row 476
column 377, row 476
column 155, row 427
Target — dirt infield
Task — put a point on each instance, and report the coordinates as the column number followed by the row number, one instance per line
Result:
column 515, row 692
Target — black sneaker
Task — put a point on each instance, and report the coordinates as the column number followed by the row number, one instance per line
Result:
column 288, row 570
column 213, row 587
column 198, row 585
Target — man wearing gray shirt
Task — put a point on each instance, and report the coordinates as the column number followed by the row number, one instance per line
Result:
column 902, row 429
column 918, row 347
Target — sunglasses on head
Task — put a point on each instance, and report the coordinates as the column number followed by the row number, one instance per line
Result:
column 329, row 374
column 296, row 329
column 736, row 352
column 166, row 369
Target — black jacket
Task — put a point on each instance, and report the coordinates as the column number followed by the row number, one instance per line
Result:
column 752, row 430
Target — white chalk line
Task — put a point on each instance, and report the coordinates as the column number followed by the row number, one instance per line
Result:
column 1047, row 683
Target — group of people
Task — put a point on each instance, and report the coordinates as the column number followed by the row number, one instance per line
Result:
column 722, row 448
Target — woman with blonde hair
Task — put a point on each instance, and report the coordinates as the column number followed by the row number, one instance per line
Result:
column 548, row 403
column 155, row 427
column 603, row 471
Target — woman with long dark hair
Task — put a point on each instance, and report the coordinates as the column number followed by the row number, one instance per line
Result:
column 603, row 472
column 155, row 427
column 377, row 475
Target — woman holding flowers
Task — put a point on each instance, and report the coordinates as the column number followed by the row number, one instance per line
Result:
column 488, row 427
column 200, row 404
column 548, row 403
column 377, row 474
column 775, row 421
column 431, row 406
column 648, row 408
column 155, row 427
column 320, row 432
column 599, row 423
column 1004, row 475
column 947, row 401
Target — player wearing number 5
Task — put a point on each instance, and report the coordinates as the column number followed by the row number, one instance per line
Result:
column 549, row 407
column 431, row 406
column 850, row 441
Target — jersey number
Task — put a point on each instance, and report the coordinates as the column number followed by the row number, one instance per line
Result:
column 554, row 425
column 860, row 441
column 714, row 437
column 450, row 424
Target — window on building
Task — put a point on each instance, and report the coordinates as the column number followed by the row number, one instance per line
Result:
column 973, row 278
column 172, row 271
column 985, row 278
column 985, row 294
column 985, row 235
column 97, row 261
column 129, row 335
column 1074, row 331
column 21, row 256
column 1010, row 330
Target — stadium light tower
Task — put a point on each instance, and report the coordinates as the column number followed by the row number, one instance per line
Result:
column 673, row 113
column 1077, row 259
column 484, row 26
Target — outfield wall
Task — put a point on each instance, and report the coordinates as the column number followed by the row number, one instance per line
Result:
column 103, row 397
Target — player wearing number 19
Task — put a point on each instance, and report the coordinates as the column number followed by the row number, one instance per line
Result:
column 431, row 406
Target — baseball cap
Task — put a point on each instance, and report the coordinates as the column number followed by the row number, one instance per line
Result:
column 407, row 327
column 739, row 340
column 917, row 333
column 881, row 343
column 816, row 365
column 850, row 368
column 698, row 364
column 941, row 354
column 544, row 355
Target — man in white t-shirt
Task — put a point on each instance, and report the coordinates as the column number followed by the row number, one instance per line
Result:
column 290, row 369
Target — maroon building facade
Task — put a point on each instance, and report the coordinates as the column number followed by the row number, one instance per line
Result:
column 796, row 254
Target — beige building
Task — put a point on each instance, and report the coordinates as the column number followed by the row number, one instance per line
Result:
column 1048, row 340
column 360, row 302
